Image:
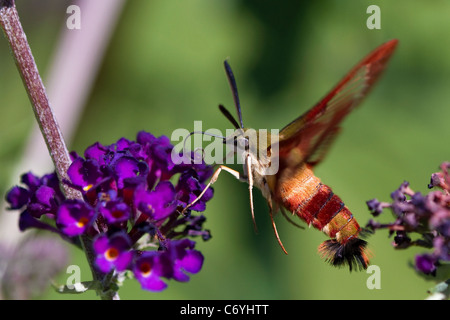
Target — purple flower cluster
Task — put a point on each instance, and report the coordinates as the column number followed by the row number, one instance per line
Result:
column 426, row 215
column 131, row 205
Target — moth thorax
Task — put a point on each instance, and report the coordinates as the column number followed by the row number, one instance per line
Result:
column 262, row 145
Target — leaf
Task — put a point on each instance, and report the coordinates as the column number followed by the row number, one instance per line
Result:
column 441, row 291
column 77, row 288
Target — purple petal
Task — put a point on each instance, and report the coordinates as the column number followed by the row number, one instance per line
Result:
column 97, row 152
column 149, row 268
column 113, row 251
column 75, row 172
column 120, row 263
column 74, row 217
column 27, row 221
column 17, row 197
column 85, row 173
column 43, row 202
column 425, row 263
column 115, row 211
column 189, row 188
column 185, row 259
column 442, row 248
column 157, row 204
column 33, row 182
column 192, row 262
column 152, row 283
column 103, row 264
column 45, row 195
column 375, row 207
column 124, row 260
column 127, row 167
column 145, row 138
column 123, row 144
column 101, row 244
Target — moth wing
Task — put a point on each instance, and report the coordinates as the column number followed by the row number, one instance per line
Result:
column 307, row 138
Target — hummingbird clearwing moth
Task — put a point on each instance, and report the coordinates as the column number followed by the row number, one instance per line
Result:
column 300, row 146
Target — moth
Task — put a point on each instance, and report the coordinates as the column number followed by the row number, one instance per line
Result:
column 299, row 147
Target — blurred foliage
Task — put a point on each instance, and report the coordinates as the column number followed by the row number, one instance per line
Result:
column 163, row 70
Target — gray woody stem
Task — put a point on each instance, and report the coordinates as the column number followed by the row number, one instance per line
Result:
column 9, row 21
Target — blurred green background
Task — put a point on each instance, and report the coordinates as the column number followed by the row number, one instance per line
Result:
column 163, row 70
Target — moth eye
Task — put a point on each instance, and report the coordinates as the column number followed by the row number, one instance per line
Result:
column 246, row 144
column 242, row 143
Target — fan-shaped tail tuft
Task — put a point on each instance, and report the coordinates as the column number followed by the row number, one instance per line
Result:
column 352, row 253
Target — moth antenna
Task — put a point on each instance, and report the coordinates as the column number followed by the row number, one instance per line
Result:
column 234, row 90
column 203, row 153
column 228, row 115
column 204, row 133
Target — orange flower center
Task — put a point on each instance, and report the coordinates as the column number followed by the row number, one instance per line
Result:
column 111, row 254
column 117, row 214
column 82, row 222
column 88, row 187
column 145, row 269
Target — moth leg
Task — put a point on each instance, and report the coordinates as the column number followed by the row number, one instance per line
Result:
column 289, row 219
column 248, row 163
column 213, row 179
column 275, row 227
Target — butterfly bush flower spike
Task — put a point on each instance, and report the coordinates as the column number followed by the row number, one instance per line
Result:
column 427, row 216
column 133, row 194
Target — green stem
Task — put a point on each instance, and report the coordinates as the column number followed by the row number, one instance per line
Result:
column 10, row 23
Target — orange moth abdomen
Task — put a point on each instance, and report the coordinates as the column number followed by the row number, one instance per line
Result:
column 303, row 194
